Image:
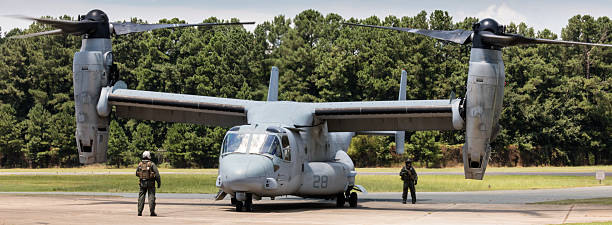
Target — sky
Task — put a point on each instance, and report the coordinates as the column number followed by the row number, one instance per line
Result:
column 540, row 14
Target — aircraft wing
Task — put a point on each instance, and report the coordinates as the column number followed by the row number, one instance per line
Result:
column 385, row 115
column 159, row 106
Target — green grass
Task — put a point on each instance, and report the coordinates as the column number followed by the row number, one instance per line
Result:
column 205, row 183
column 593, row 223
column 171, row 183
column 595, row 201
column 103, row 169
column 499, row 169
column 444, row 183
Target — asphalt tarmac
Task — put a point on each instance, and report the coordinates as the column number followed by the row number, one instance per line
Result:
column 482, row 207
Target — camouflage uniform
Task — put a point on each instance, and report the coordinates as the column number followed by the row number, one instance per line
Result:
column 409, row 176
column 148, row 174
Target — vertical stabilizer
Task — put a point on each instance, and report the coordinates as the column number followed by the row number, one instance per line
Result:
column 400, row 135
column 402, row 90
column 273, row 88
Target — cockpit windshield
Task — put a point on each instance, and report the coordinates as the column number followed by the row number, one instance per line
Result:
column 251, row 143
column 235, row 142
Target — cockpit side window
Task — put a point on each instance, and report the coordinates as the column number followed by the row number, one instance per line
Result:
column 285, row 141
column 278, row 153
column 275, row 149
column 286, row 148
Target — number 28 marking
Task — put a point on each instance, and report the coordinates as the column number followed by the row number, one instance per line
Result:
column 319, row 181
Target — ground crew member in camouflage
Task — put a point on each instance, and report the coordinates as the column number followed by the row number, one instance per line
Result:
column 148, row 174
column 409, row 176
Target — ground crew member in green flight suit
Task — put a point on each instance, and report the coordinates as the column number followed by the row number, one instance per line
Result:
column 148, row 174
column 409, row 176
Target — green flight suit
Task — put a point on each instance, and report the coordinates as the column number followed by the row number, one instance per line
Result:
column 409, row 176
column 148, row 186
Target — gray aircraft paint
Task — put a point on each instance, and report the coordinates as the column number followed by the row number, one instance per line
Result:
column 273, row 87
column 91, row 68
column 400, row 136
column 319, row 166
column 485, row 92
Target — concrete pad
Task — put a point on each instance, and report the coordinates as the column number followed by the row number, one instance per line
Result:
column 66, row 209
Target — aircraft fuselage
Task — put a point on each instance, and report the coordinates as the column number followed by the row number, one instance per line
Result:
column 268, row 160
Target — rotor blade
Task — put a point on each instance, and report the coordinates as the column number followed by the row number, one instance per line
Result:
column 67, row 26
column 458, row 36
column 129, row 27
column 51, row 32
column 516, row 39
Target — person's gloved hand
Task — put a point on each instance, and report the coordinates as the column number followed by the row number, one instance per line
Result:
column 158, row 185
column 415, row 183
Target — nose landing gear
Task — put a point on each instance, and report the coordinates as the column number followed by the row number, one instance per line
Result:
column 353, row 200
column 243, row 201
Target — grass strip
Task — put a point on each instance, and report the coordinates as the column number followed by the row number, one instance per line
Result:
column 498, row 169
column 593, row 223
column 594, row 201
column 457, row 183
column 171, row 183
column 205, row 183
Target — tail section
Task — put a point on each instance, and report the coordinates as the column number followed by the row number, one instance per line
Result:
column 401, row 135
column 273, row 88
column 403, row 81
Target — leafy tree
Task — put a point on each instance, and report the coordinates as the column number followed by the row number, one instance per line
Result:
column 120, row 152
column 10, row 141
column 63, row 140
column 37, row 147
column 142, row 140
column 183, row 145
column 370, row 151
column 556, row 104
column 425, row 148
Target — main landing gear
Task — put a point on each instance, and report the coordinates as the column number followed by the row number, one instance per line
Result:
column 246, row 205
column 342, row 197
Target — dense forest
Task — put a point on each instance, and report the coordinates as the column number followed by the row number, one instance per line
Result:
column 557, row 105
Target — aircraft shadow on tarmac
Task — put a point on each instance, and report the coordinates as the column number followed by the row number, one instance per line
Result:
column 134, row 202
column 328, row 205
column 314, row 205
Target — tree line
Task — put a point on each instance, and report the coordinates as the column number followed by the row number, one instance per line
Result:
column 557, row 105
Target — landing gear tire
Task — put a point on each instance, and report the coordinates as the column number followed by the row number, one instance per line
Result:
column 238, row 206
column 248, row 203
column 353, row 200
column 340, row 200
column 234, row 201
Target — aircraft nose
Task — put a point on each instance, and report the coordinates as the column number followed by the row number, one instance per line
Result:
column 244, row 172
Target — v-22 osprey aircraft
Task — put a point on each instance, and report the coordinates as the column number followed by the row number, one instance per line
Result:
column 277, row 148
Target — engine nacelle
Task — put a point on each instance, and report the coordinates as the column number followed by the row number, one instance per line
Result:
column 91, row 71
column 485, row 92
